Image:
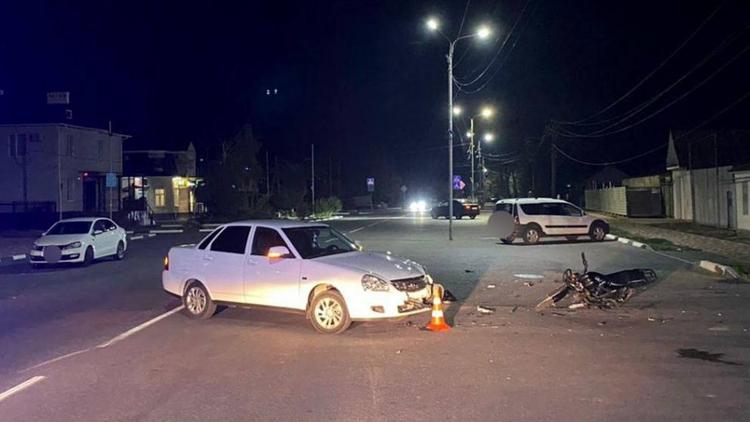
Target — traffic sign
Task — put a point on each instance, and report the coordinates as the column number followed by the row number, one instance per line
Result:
column 370, row 184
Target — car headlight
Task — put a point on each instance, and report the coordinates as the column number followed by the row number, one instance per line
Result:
column 72, row 245
column 376, row 284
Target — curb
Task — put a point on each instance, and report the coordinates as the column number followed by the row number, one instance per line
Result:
column 12, row 259
column 630, row 242
column 719, row 269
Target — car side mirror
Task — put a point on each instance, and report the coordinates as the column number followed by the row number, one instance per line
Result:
column 275, row 252
column 97, row 232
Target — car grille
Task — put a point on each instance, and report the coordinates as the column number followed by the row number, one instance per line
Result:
column 410, row 284
column 38, row 248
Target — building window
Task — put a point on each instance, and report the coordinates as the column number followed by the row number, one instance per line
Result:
column 34, row 137
column 159, row 198
column 745, row 199
column 69, row 146
column 17, row 145
column 70, row 189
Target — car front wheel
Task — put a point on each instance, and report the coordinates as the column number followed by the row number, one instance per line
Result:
column 120, row 255
column 598, row 232
column 88, row 256
column 328, row 313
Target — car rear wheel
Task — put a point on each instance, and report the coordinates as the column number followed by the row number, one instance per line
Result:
column 598, row 232
column 473, row 217
column 328, row 313
column 120, row 255
column 532, row 234
column 198, row 304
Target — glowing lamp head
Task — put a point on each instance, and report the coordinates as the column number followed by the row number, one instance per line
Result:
column 488, row 137
column 483, row 32
column 469, row 134
column 487, row 112
column 457, row 110
column 432, row 24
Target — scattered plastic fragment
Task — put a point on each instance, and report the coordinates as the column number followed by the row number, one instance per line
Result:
column 484, row 310
column 490, row 286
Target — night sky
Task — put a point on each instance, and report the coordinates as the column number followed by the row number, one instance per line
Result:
column 364, row 80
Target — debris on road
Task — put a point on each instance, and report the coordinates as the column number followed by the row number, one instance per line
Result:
column 490, row 286
column 485, row 311
column 468, row 271
column 528, row 283
column 514, row 309
column 604, row 291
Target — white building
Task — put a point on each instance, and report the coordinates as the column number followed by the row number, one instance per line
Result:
column 58, row 167
column 708, row 181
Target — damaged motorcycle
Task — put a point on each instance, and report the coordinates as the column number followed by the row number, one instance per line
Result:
column 603, row 291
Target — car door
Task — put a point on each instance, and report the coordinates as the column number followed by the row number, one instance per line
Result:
column 112, row 236
column 102, row 240
column 574, row 219
column 223, row 266
column 272, row 281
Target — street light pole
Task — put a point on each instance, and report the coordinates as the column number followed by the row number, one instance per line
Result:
column 471, row 151
column 450, row 139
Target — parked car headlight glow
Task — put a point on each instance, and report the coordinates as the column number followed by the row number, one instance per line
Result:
column 418, row 206
column 376, row 284
column 72, row 245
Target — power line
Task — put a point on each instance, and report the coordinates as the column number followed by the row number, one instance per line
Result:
column 635, row 157
column 497, row 54
column 463, row 19
column 502, row 63
column 570, row 134
column 632, row 112
column 650, row 74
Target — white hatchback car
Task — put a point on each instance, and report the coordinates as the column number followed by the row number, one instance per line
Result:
column 79, row 240
column 311, row 268
column 538, row 217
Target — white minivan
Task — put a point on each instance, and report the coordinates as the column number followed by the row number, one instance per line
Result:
column 539, row 217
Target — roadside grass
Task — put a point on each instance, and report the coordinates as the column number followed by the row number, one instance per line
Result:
column 699, row 229
column 658, row 244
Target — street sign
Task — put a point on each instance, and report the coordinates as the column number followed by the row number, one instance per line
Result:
column 111, row 180
column 59, row 97
column 458, row 184
column 370, row 184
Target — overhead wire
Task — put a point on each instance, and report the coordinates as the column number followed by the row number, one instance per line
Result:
column 571, row 134
column 650, row 74
column 497, row 53
column 650, row 151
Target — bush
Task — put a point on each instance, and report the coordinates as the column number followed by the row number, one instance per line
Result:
column 326, row 207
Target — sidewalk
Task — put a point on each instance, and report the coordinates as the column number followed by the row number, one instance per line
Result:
column 686, row 235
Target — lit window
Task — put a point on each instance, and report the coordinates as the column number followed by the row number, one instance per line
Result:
column 159, row 198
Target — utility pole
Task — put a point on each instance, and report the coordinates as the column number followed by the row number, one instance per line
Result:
column 111, row 193
column 312, row 185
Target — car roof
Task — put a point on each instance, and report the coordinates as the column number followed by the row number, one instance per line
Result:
column 80, row 220
column 530, row 200
column 276, row 224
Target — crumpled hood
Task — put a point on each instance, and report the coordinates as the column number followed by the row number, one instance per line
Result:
column 59, row 239
column 388, row 266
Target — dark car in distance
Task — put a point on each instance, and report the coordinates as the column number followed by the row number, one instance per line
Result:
column 461, row 209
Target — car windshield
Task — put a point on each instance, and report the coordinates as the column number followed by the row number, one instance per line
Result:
column 70, row 227
column 314, row 242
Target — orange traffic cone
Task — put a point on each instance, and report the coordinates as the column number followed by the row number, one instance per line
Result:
column 437, row 323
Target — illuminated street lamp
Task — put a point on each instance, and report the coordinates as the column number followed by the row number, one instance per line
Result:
column 488, row 137
column 457, row 111
column 486, row 113
column 482, row 32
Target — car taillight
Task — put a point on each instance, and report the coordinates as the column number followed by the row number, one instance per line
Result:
column 166, row 263
column 467, row 206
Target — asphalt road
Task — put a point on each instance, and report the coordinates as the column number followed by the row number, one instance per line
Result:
column 678, row 351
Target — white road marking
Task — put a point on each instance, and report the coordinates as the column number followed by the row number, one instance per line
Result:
column 166, row 231
column 59, row 358
column 205, row 230
column 529, row 276
column 138, row 328
column 129, row 231
column 136, row 238
column 150, row 235
column 19, row 257
column 22, row 386
column 171, row 225
column 364, row 227
column 214, row 225
column 685, row 261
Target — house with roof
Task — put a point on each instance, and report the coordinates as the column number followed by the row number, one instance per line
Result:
column 709, row 176
column 159, row 181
